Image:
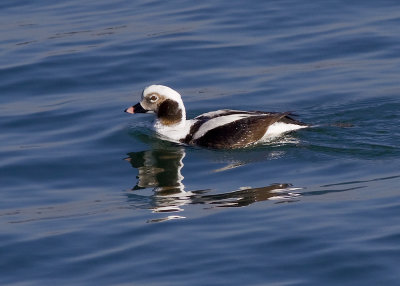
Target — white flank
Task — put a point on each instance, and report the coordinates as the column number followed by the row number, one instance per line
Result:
column 218, row 121
column 280, row 128
column 174, row 132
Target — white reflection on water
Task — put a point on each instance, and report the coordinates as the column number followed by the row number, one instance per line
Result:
column 161, row 171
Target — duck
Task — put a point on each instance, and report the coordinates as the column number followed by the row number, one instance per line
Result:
column 220, row 129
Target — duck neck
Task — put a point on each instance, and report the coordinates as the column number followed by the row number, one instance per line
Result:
column 171, row 113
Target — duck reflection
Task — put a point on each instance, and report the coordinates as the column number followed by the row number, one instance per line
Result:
column 161, row 171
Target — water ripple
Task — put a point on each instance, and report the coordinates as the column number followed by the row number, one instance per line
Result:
column 80, row 179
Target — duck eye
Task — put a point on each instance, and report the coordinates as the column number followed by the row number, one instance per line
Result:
column 153, row 98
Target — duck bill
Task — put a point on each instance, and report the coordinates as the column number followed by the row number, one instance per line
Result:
column 138, row 108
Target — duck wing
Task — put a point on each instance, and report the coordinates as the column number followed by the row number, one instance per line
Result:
column 232, row 129
column 288, row 118
column 226, row 112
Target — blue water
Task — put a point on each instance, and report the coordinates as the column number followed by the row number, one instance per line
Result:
column 90, row 196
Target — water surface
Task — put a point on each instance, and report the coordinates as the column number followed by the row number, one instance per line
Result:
column 90, row 196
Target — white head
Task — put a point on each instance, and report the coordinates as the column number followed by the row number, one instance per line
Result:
column 164, row 101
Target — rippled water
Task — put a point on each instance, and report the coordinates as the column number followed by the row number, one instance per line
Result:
column 90, row 196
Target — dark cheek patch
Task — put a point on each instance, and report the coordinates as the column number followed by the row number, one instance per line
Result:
column 169, row 112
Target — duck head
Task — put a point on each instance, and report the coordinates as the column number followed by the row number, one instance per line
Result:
column 165, row 102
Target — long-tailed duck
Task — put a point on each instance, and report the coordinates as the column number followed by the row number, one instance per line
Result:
column 217, row 129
